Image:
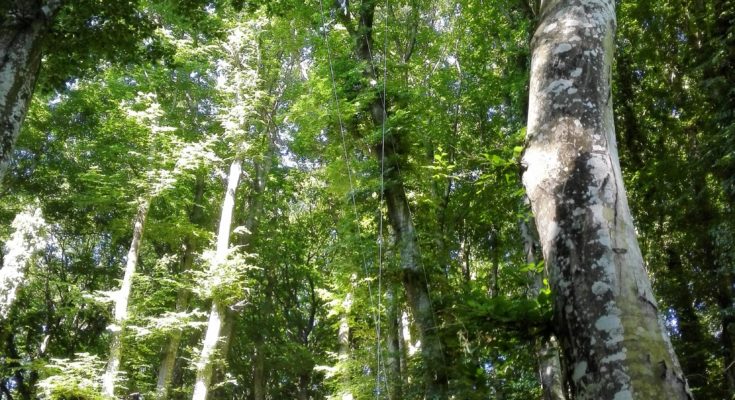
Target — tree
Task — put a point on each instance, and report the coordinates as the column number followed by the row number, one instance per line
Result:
column 72, row 36
column 217, row 313
column 608, row 320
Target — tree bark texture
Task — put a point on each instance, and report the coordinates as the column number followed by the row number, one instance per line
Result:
column 217, row 313
column 21, row 34
column 607, row 318
column 121, row 300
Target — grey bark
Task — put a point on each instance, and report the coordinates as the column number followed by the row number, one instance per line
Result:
column 21, row 35
column 608, row 320
column 122, row 297
column 218, row 311
column 259, row 371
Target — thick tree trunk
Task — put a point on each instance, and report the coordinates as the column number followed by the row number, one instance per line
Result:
column 608, row 321
column 217, row 313
column 21, row 34
column 28, row 240
column 121, row 300
column 168, row 360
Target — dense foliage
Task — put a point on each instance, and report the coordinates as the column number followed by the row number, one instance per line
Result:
column 313, row 282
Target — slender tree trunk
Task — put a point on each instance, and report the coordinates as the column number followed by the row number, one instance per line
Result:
column 343, row 339
column 21, row 34
column 415, row 285
column 168, row 361
column 28, row 240
column 259, row 371
column 304, row 380
column 217, row 313
column 550, row 372
column 121, row 300
column 608, row 321
column 255, row 206
column 395, row 377
column 389, row 153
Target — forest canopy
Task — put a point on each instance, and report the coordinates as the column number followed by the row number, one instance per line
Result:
column 396, row 199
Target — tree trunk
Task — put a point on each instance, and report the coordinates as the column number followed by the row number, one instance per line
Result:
column 547, row 348
column 217, row 313
column 415, row 285
column 121, row 300
column 413, row 276
column 608, row 321
column 21, row 34
column 165, row 372
column 343, row 339
column 395, row 378
column 259, row 371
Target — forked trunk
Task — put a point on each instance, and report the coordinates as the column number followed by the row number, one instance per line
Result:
column 608, row 321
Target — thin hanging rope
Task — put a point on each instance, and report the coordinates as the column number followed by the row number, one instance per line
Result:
column 335, row 100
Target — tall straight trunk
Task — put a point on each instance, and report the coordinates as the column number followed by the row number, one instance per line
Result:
column 550, row 372
column 121, row 300
column 259, row 371
column 608, row 321
column 414, row 278
column 255, row 206
column 21, row 34
column 416, row 287
column 168, row 361
column 217, row 313
column 395, row 367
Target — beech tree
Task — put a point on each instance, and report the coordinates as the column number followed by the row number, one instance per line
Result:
column 609, row 322
column 372, row 248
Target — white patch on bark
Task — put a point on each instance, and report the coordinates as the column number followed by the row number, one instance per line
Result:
column 562, row 48
column 623, row 395
column 599, row 288
column 619, row 356
column 558, row 85
column 580, row 369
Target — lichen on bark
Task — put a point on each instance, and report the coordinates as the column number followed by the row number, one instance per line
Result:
column 607, row 318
